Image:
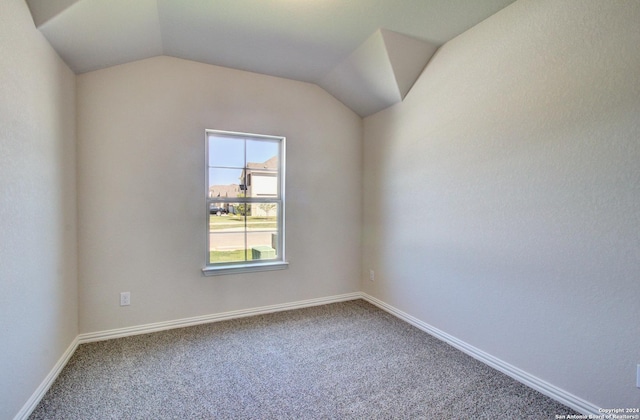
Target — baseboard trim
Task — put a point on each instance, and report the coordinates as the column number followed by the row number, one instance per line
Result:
column 551, row 391
column 531, row 381
column 187, row 322
column 35, row 398
column 33, row 401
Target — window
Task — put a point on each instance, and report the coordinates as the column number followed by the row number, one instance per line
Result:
column 244, row 202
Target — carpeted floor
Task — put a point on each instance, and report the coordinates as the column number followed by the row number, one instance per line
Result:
column 340, row 361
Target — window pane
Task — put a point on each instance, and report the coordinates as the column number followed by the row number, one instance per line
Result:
column 262, row 231
column 225, row 182
column 263, row 152
column 226, row 151
column 227, row 247
column 262, row 168
column 227, row 240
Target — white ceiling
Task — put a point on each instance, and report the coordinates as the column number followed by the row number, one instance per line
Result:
column 333, row 43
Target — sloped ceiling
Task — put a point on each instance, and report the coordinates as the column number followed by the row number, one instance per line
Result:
column 367, row 53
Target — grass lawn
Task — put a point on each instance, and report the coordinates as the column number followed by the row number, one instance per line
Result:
column 228, row 256
column 253, row 222
column 236, row 255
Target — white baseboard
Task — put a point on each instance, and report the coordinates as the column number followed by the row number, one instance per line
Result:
column 187, row 322
column 35, row 398
column 531, row 381
column 551, row 391
column 33, row 401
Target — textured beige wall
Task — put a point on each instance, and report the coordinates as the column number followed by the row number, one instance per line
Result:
column 141, row 190
column 502, row 197
column 38, row 282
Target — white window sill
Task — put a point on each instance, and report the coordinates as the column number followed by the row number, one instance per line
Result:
column 244, row 268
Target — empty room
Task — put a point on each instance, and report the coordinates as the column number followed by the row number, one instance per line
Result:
column 320, row 209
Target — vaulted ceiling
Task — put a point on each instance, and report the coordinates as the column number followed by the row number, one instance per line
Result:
column 367, row 53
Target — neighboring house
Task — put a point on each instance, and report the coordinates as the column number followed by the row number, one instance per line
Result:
column 226, row 191
column 260, row 180
column 231, row 190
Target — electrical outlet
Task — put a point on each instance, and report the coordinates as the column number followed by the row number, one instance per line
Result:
column 125, row 299
column 372, row 275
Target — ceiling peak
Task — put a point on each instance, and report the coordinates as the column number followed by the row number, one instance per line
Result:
column 305, row 41
column 380, row 72
column 44, row 10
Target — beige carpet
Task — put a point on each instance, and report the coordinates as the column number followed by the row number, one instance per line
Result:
column 340, row 361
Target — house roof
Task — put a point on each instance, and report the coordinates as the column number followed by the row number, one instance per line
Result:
column 231, row 190
column 268, row 164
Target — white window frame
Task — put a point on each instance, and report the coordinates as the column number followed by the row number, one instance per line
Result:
column 280, row 262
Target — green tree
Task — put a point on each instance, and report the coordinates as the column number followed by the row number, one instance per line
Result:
column 243, row 208
column 267, row 208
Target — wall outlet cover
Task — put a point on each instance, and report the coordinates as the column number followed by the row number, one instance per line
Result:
column 125, row 298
